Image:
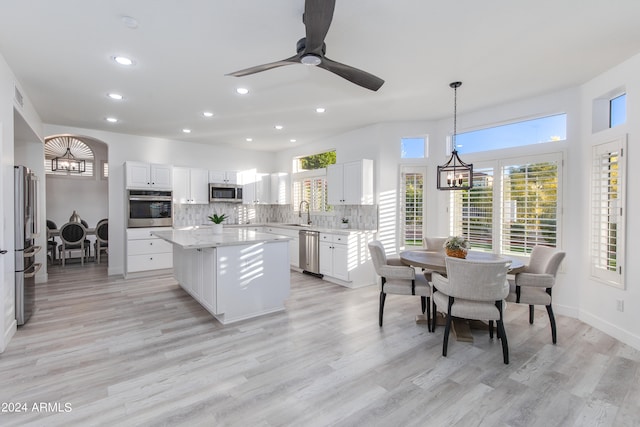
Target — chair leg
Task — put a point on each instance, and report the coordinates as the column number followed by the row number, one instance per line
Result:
column 552, row 320
column 434, row 315
column 383, row 296
column 503, row 338
column 447, row 329
column 491, row 329
column 428, row 314
column 531, row 315
column 423, row 303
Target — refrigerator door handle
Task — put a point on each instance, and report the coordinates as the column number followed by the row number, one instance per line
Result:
column 35, row 267
column 32, row 251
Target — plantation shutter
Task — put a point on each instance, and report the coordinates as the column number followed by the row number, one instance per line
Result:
column 412, row 211
column 607, row 212
column 529, row 205
column 474, row 208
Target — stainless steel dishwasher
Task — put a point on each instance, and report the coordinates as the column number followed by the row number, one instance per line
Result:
column 310, row 252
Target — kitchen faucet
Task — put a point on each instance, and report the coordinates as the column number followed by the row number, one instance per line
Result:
column 308, row 211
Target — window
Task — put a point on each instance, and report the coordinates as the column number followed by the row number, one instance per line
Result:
column 475, row 210
column 105, row 169
column 607, row 210
column 536, row 131
column 311, row 188
column 412, row 148
column 314, row 161
column 57, row 147
column 618, row 110
column 512, row 214
column 412, row 205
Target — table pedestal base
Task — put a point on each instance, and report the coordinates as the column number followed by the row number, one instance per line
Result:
column 461, row 328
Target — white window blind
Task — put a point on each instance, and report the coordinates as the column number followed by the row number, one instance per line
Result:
column 529, row 205
column 312, row 189
column 412, row 210
column 514, row 204
column 474, row 208
column 607, row 212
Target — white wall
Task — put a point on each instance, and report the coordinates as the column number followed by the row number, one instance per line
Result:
column 122, row 147
column 598, row 300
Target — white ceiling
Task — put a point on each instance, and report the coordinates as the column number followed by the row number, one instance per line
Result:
column 501, row 49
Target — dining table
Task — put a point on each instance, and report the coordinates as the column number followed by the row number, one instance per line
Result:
column 435, row 261
column 55, row 232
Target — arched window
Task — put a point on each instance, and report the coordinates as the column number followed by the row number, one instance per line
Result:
column 63, row 147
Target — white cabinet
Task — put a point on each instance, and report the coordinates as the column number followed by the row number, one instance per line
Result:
column 146, row 252
column 256, row 188
column 350, row 183
column 223, row 177
column 140, row 175
column 334, row 251
column 190, row 186
column 280, row 189
column 294, row 243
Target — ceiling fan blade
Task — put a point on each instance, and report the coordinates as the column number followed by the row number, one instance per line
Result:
column 264, row 67
column 317, row 19
column 354, row 75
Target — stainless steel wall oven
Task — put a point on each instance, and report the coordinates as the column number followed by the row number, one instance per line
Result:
column 149, row 208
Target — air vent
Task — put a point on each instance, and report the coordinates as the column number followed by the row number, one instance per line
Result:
column 18, row 97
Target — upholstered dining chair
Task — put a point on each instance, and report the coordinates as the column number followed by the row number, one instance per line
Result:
column 432, row 244
column 102, row 239
column 400, row 279
column 52, row 245
column 533, row 284
column 73, row 236
column 473, row 290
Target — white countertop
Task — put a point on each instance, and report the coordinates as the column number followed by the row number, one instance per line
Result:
column 203, row 237
column 344, row 231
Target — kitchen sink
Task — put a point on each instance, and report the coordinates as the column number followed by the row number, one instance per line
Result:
column 299, row 225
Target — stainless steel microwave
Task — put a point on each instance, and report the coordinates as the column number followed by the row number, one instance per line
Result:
column 149, row 208
column 225, row 193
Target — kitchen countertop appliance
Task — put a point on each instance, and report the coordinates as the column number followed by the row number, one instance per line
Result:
column 26, row 230
column 310, row 252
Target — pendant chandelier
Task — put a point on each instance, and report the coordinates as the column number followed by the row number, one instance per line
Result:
column 68, row 162
column 455, row 174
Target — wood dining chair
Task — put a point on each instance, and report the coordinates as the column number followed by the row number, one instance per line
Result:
column 73, row 236
column 102, row 239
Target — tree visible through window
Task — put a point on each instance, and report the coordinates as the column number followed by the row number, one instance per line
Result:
column 310, row 182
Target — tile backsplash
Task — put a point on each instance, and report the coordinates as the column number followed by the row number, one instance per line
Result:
column 360, row 217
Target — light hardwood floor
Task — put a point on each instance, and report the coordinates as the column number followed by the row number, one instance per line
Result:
column 110, row 351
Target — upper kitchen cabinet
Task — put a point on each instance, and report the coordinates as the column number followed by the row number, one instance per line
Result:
column 190, row 186
column 140, row 175
column 256, row 188
column 222, row 177
column 280, row 189
column 350, row 183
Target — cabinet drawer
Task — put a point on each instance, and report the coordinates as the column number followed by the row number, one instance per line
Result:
column 143, row 233
column 149, row 262
column 334, row 238
column 148, row 246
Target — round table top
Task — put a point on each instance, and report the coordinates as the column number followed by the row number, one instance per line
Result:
column 434, row 260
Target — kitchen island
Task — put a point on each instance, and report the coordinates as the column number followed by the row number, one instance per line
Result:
column 235, row 275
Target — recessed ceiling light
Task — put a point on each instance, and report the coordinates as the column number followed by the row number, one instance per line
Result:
column 112, row 120
column 292, row 140
column 115, row 96
column 242, row 90
column 130, row 22
column 320, row 110
column 185, row 130
column 249, row 139
column 207, row 114
column 278, row 127
column 123, row 60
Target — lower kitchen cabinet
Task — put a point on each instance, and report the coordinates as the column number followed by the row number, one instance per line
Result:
column 146, row 252
column 334, row 253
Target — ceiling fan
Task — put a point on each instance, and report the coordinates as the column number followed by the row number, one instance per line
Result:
column 311, row 49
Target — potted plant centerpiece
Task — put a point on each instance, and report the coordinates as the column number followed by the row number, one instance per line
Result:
column 345, row 223
column 217, row 222
column 456, row 246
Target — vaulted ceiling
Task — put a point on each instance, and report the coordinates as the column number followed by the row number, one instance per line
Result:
column 62, row 54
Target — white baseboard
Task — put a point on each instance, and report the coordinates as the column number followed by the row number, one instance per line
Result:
column 610, row 329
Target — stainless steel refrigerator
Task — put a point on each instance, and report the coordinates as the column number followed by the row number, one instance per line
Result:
column 26, row 230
